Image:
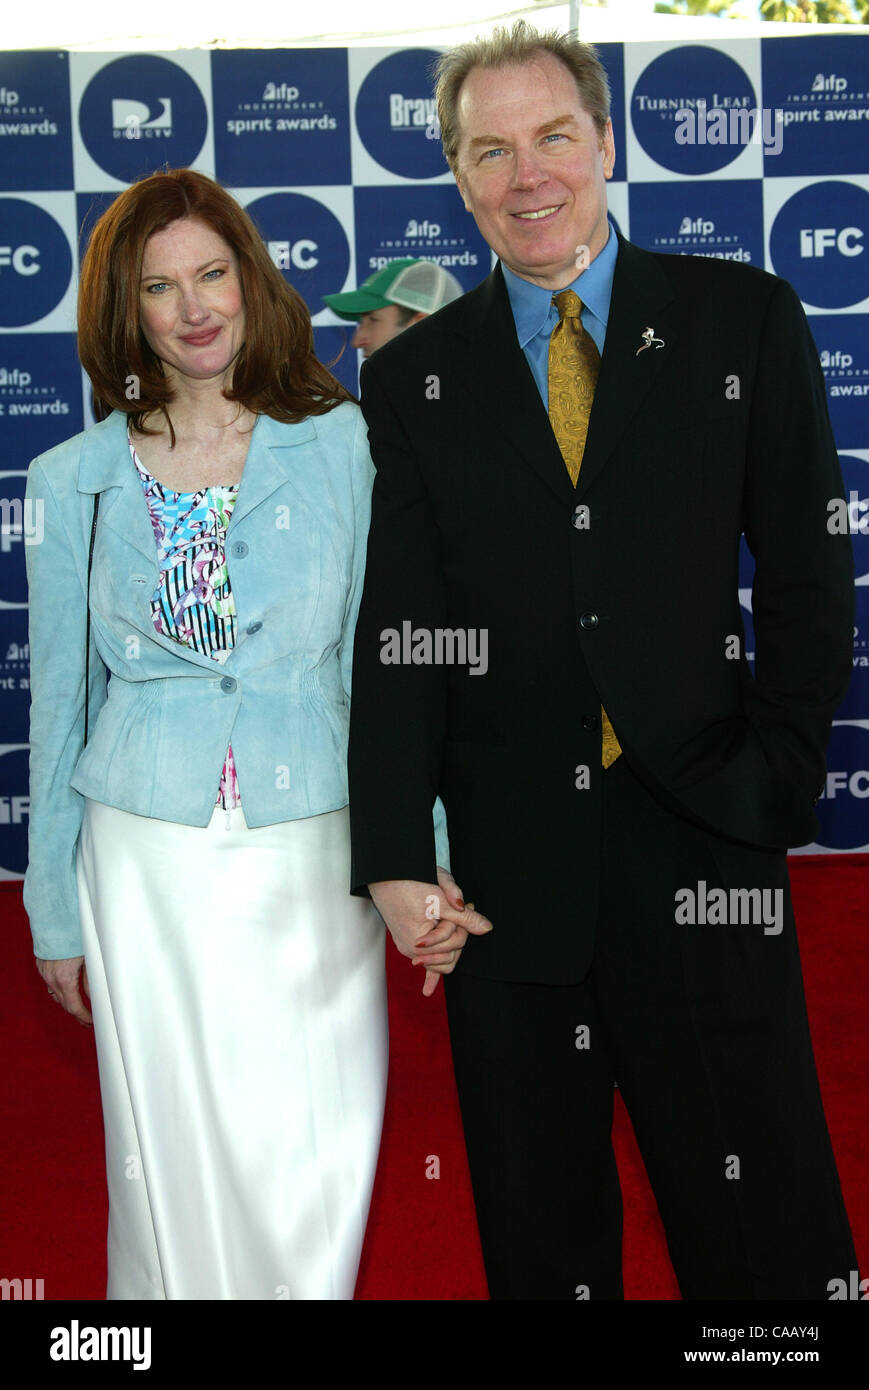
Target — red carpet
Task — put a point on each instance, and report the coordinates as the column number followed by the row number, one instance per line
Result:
column 422, row 1240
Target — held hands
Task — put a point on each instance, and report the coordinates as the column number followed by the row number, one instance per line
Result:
column 429, row 923
column 61, row 976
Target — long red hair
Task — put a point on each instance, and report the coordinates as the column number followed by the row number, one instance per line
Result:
column 276, row 372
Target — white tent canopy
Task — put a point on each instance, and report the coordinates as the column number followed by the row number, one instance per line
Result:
column 161, row 25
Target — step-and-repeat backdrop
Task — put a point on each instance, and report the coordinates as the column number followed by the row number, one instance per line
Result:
column 335, row 154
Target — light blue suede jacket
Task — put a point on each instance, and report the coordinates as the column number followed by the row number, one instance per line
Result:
column 157, row 739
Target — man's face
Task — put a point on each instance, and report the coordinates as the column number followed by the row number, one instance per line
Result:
column 532, row 168
column 376, row 328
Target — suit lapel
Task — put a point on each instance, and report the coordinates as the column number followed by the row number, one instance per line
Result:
column 494, row 368
column 642, row 298
column 106, row 467
column 271, row 459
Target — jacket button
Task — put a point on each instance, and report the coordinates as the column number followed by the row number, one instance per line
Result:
column 254, row 627
column 228, row 684
column 591, row 721
column 239, row 549
column 588, row 620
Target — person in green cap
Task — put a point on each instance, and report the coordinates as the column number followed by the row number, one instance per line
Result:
column 392, row 298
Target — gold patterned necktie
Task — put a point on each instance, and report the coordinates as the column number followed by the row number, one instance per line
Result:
column 574, row 363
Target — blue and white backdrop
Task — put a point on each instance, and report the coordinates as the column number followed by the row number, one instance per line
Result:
column 332, row 152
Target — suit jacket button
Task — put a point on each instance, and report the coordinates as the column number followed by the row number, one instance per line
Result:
column 588, row 620
column 239, row 549
column 254, row 627
column 228, row 685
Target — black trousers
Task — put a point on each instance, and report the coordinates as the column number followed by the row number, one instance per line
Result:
column 703, row 1026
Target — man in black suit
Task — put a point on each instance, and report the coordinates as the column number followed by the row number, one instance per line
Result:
column 561, row 659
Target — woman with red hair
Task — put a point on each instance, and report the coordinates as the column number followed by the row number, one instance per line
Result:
column 192, row 609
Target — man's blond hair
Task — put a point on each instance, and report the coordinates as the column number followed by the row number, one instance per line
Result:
column 504, row 47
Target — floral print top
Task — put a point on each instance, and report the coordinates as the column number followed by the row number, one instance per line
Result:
column 193, row 602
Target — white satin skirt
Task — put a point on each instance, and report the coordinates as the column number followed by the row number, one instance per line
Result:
column 239, row 1004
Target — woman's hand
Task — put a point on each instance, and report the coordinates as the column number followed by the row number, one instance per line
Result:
column 428, row 923
column 61, row 976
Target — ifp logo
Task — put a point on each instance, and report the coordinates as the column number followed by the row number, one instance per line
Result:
column 683, row 79
column 718, row 218
column 820, row 242
column 427, row 221
column 306, row 241
column 396, row 118
column 844, row 807
column 14, row 807
column 35, row 263
column 140, row 113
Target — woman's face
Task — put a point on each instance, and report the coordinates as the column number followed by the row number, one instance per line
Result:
column 192, row 307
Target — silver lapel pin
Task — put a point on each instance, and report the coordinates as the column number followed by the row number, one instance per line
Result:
column 649, row 340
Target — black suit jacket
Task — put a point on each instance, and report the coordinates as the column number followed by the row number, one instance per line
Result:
column 631, row 602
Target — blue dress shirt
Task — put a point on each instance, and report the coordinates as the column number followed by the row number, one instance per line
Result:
column 535, row 315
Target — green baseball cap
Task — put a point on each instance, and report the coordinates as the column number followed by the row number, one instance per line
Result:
column 413, row 283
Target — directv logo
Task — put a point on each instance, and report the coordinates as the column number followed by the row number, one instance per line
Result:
column 136, row 120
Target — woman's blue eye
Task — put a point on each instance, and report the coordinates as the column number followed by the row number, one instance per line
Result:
column 162, row 284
